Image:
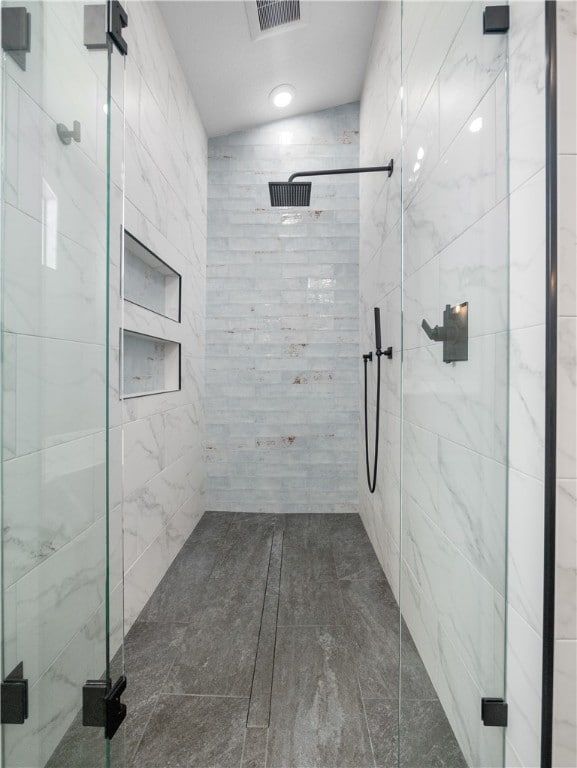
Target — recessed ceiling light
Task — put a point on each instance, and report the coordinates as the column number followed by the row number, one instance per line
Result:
column 282, row 95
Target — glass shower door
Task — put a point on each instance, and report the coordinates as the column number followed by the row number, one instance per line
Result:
column 61, row 547
column 455, row 384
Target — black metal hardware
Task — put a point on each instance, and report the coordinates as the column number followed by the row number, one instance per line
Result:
column 496, row 20
column 494, row 712
column 16, row 25
column 368, row 358
column 338, row 171
column 388, row 352
column 551, row 308
column 454, row 333
column 95, row 27
column 117, row 21
column 14, row 697
column 101, row 705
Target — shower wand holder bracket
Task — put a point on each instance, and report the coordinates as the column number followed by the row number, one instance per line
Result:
column 454, row 333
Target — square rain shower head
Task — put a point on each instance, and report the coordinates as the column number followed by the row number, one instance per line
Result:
column 287, row 194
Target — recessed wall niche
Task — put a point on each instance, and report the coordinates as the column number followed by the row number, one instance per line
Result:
column 149, row 281
column 150, row 365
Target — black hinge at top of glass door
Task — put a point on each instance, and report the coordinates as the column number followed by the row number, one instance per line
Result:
column 117, row 21
column 104, row 24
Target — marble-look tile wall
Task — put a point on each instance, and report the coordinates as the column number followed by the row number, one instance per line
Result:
column 565, row 705
column 460, row 231
column 282, row 320
column 165, row 208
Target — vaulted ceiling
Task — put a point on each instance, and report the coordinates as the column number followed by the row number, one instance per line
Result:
column 231, row 74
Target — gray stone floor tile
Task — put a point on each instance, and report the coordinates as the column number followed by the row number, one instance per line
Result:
column 426, row 738
column 220, row 643
column 254, row 753
column 194, row 732
column 309, row 602
column 317, row 717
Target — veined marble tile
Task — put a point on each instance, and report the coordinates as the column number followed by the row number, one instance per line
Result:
column 150, row 50
column 472, row 509
column 440, row 23
column 11, row 139
column 527, row 98
column 474, row 268
column 421, row 150
column 58, row 183
column 566, row 56
column 61, row 391
column 65, row 297
column 524, row 658
column 421, row 301
column 464, row 602
column 148, row 188
column 526, row 399
column 567, row 397
column 56, row 599
column 565, row 704
column 527, row 253
column 56, row 698
column 144, row 451
column 471, row 66
column 468, row 181
column 525, row 548
column 567, row 234
column 49, row 498
column 566, row 568
column 458, row 401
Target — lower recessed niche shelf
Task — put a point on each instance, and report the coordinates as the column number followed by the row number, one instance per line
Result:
column 150, row 365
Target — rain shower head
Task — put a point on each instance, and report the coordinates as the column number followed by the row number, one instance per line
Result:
column 288, row 194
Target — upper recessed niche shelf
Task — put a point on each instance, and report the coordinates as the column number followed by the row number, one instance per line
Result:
column 149, row 281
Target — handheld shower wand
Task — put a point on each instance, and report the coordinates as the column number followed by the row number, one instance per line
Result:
column 366, row 359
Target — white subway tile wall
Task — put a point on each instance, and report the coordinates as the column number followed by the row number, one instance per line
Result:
column 282, row 320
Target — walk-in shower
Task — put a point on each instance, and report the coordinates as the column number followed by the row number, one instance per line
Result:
column 295, row 559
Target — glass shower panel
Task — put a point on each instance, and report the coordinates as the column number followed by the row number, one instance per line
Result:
column 57, row 201
column 455, row 385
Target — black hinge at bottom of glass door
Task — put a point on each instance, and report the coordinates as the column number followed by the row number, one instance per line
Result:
column 494, row 712
column 101, row 705
column 14, row 698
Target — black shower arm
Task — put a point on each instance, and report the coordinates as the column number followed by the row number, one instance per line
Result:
column 337, row 171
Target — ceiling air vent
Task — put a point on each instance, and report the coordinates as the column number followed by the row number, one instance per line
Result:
column 274, row 13
column 269, row 17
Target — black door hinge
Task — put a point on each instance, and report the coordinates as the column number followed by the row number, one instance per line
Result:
column 101, row 705
column 16, row 24
column 496, row 20
column 14, row 698
column 117, row 21
column 494, row 712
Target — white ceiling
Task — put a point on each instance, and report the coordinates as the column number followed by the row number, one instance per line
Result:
column 231, row 75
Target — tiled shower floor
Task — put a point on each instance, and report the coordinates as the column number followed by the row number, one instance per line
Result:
column 273, row 642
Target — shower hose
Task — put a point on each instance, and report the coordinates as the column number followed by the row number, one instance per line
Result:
column 373, row 483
